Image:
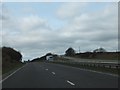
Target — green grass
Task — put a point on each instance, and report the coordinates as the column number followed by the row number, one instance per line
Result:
column 102, row 69
column 7, row 70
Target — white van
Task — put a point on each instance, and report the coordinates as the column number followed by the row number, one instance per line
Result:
column 49, row 58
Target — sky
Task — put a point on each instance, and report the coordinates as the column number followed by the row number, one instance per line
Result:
column 37, row 28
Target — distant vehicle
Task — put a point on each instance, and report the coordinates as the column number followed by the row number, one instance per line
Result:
column 49, row 58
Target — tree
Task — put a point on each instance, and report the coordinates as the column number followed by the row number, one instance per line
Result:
column 48, row 54
column 99, row 50
column 11, row 53
column 70, row 52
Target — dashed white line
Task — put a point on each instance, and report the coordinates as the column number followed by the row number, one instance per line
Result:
column 53, row 73
column 46, row 69
column 70, row 83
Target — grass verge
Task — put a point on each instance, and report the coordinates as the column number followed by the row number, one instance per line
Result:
column 7, row 71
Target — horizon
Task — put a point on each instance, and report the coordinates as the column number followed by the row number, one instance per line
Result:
column 76, row 52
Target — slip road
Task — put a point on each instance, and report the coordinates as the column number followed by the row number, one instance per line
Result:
column 47, row 75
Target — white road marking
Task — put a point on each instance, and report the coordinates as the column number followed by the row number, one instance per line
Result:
column 70, row 82
column 53, row 72
column 12, row 73
column 46, row 69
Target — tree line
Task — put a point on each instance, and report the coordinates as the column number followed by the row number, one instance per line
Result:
column 71, row 52
column 10, row 56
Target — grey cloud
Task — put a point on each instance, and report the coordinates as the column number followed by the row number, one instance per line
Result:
column 69, row 10
column 87, row 30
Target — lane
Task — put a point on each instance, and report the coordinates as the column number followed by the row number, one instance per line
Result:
column 34, row 75
column 46, row 75
column 83, row 78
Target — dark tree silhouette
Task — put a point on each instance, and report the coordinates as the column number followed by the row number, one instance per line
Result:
column 11, row 53
column 48, row 54
column 99, row 50
column 11, row 58
column 70, row 52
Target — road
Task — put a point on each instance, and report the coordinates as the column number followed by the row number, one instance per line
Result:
column 47, row 75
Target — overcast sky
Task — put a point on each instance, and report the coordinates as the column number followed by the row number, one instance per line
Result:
column 42, row 27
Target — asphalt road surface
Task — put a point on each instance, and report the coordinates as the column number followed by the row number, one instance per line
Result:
column 47, row 75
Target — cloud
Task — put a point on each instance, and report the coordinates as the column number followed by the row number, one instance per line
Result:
column 33, row 35
column 69, row 10
column 32, row 22
column 4, row 12
column 96, row 28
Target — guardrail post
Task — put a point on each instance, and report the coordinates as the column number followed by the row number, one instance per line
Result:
column 83, row 64
column 103, row 66
column 109, row 66
column 116, row 67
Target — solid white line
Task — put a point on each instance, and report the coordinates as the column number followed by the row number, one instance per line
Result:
column 46, row 69
column 12, row 74
column 70, row 82
column 53, row 72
